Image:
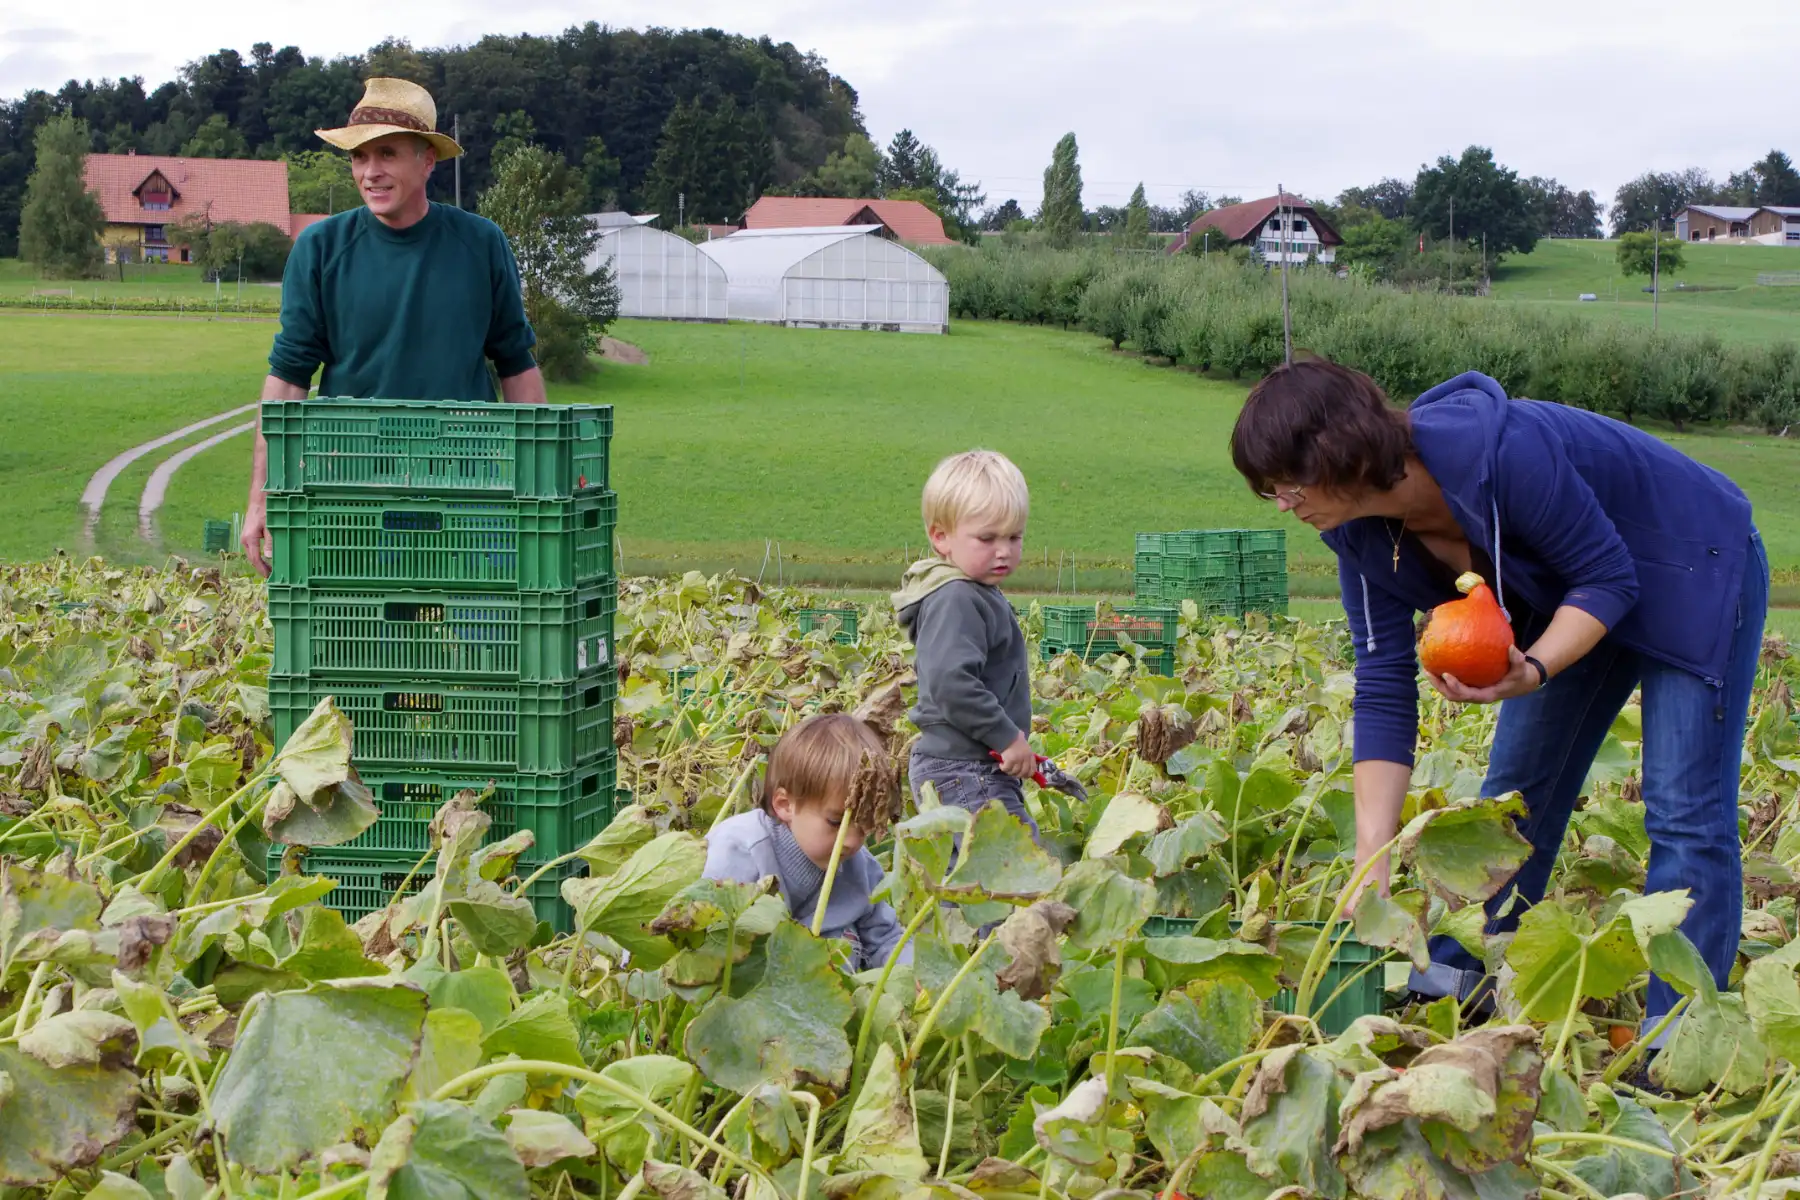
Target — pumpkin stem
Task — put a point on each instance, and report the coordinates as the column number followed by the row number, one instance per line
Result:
column 1468, row 581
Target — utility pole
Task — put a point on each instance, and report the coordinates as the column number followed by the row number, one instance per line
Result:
column 456, row 136
column 1655, row 273
column 1287, row 323
column 680, row 209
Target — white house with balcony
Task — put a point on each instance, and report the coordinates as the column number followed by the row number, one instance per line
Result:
column 1277, row 227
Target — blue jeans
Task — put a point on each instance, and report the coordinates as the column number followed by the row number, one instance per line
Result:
column 1693, row 756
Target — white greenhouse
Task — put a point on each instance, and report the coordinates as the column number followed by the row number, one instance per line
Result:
column 839, row 277
column 661, row 275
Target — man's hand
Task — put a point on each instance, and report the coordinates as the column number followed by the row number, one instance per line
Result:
column 1018, row 760
column 259, row 548
column 1521, row 680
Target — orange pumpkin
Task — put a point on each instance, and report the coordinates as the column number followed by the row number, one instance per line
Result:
column 1468, row 638
column 1620, row 1036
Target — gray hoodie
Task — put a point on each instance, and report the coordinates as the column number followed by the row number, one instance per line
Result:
column 754, row 845
column 974, row 677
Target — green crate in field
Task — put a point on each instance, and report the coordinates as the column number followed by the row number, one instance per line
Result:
column 370, row 880
column 419, row 544
column 1353, row 975
column 1263, row 562
column 1257, row 541
column 564, row 812
column 841, row 621
column 1185, row 571
column 428, row 447
column 533, row 637
column 519, row 729
column 216, row 537
column 1192, row 542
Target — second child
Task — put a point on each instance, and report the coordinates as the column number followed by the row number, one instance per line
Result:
column 974, row 700
column 805, row 794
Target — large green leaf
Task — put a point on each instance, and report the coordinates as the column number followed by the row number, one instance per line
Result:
column 623, row 904
column 540, row 1029
column 1714, row 1042
column 496, row 921
column 999, row 861
column 625, row 1131
column 484, row 991
column 1074, row 1130
column 1615, row 1170
column 882, row 1135
column 1389, row 922
column 1110, row 906
column 36, row 907
column 1171, row 850
column 315, row 1068
column 542, row 1138
column 1291, row 1121
column 1190, row 958
column 1001, row 1018
column 328, row 949
column 316, row 756
column 629, row 831
column 443, row 1151
column 54, row 1120
column 1556, row 945
column 449, row 1047
column 1772, row 997
column 788, row 1029
column 1468, row 850
column 332, row 816
column 1127, row 815
column 1205, row 1027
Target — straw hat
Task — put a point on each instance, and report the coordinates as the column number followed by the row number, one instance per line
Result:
column 392, row 106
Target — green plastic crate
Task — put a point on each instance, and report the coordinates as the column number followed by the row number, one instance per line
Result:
column 216, row 537
column 1263, row 541
column 844, row 620
column 1190, row 542
column 370, row 880
column 1350, row 960
column 1184, row 571
column 1079, row 627
column 525, row 728
column 427, row 447
column 531, row 637
column 564, row 812
column 425, row 544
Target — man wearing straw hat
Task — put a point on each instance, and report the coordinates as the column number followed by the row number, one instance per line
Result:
column 401, row 299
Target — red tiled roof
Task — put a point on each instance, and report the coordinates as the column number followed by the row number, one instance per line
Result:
column 243, row 190
column 299, row 221
column 1240, row 222
column 910, row 220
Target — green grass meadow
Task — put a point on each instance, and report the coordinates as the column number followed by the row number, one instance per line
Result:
column 736, row 440
column 1726, row 299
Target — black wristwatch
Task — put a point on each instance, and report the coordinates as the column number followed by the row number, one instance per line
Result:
column 1543, row 675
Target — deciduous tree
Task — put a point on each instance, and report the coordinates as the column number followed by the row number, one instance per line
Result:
column 1060, row 216
column 1643, row 253
column 1488, row 198
column 540, row 202
column 61, row 226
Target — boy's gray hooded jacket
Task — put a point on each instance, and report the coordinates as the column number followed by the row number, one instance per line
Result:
column 754, row 845
column 974, row 678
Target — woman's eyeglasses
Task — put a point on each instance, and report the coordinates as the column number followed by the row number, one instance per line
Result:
column 1292, row 495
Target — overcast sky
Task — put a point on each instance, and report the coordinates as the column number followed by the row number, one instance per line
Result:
column 1315, row 94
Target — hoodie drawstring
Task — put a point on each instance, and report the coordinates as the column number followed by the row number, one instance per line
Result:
column 1499, row 581
column 1368, row 614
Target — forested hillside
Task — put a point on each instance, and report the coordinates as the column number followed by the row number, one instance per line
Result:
column 759, row 113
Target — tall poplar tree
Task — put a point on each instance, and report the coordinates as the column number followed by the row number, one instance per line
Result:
column 1060, row 216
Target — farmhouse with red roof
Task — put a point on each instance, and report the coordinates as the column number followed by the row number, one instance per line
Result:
column 901, row 220
column 1258, row 224
column 142, row 195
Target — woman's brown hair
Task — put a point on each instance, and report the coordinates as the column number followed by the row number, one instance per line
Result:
column 1313, row 423
column 819, row 759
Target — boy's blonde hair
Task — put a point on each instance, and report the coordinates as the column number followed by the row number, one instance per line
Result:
column 818, row 759
column 972, row 485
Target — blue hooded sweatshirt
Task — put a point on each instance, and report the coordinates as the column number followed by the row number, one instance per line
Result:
column 1574, row 508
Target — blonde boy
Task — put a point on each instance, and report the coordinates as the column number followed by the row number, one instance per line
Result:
column 974, row 697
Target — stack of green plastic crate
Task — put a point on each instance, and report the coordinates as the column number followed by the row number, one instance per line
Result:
column 1226, row 572
column 444, row 571
column 1083, row 630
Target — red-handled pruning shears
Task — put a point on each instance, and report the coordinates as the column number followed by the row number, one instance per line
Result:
column 1049, row 775
column 1037, row 776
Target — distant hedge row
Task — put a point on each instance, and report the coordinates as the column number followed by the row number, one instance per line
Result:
column 1224, row 317
column 199, row 306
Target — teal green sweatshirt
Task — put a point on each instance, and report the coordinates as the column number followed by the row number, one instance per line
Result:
column 402, row 314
